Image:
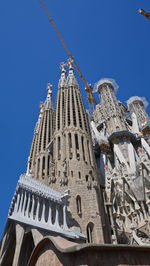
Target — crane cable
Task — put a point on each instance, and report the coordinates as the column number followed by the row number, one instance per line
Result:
column 88, row 88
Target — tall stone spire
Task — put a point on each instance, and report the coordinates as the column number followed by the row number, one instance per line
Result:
column 33, row 149
column 39, row 157
column 75, row 166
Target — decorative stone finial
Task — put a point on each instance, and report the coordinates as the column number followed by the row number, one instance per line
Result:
column 41, row 105
column 41, row 109
column 49, row 91
column 62, row 67
column 69, row 63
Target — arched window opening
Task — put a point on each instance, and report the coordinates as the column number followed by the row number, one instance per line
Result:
column 78, row 202
column 78, row 156
column 43, row 167
column 48, row 162
column 69, row 107
column 41, row 130
column 91, row 174
column 76, row 142
column 70, row 140
column 73, row 109
column 63, row 108
column 59, row 148
column 58, row 115
column 117, row 129
column 88, row 146
column 89, row 231
column 82, row 141
column 79, row 175
column 38, row 167
column 26, row 249
column 71, row 173
column 49, row 127
column 45, row 131
column 86, row 178
column 78, row 107
column 70, row 145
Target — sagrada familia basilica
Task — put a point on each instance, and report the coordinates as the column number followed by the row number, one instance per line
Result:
column 85, row 196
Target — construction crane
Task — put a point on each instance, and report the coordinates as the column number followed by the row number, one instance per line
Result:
column 144, row 13
column 88, row 88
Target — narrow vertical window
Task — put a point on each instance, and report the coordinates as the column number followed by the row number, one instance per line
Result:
column 69, row 107
column 88, row 144
column 59, row 148
column 48, row 161
column 49, row 126
column 58, row 115
column 45, row 132
column 38, row 167
column 70, row 145
column 76, row 142
column 89, row 230
column 73, row 109
column 41, row 130
column 43, row 166
column 63, row 108
column 82, row 141
column 78, row 107
column 78, row 203
column 70, row 140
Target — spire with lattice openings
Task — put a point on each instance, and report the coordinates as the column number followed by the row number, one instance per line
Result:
column 39, row 156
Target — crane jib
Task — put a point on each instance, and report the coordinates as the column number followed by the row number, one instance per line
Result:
column 91, row 98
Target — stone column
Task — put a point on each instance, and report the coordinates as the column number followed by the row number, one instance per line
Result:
column 21, row 201
column 24, row 203
column 43, row 212
column 32, row 208
column 56, row 217
column 28, row 204
column 65, row 227
column 17, row 202
column 49, row 221
column 37, row 210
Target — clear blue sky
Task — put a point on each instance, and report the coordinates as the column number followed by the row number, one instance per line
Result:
column 108, row 38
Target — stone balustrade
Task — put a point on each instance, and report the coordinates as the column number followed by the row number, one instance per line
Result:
column 38, row 206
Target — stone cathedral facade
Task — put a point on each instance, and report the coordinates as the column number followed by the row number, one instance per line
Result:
column 87, row 178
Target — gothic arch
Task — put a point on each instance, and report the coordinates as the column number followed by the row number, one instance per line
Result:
column 26, row 249
column 78, row 204
column 90, row 232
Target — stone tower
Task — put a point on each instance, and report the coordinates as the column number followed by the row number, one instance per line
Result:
column 75, row 166
column 62, row 156
column 110, row 107
column 123, row 162
column 137, row 108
